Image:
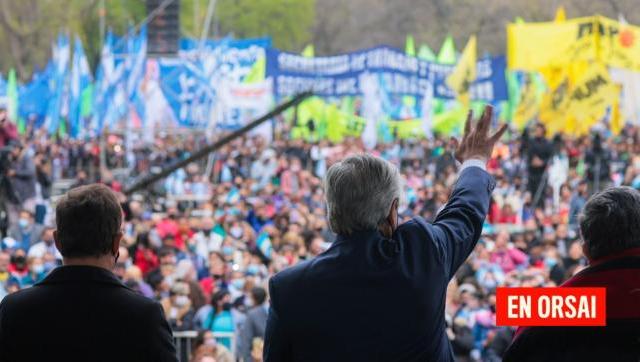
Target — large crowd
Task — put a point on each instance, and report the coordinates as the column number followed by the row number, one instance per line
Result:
column 205, row 240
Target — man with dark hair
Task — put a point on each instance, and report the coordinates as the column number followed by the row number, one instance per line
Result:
column 610, row 226
column 81, row 311
column 255, row 323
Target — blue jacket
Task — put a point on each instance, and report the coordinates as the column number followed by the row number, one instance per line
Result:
column 368, row 298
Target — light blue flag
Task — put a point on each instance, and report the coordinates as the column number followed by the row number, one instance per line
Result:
column 105, row 78
column 61, row 56
column 138, row 56
column 80, row 79
column 263, row 242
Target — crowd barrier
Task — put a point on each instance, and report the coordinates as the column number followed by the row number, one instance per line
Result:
column 184, row 343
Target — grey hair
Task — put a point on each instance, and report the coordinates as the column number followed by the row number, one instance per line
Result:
column 610, row 221
column 359, row 191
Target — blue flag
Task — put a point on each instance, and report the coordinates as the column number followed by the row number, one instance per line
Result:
column 61, row 52
column 80, row 79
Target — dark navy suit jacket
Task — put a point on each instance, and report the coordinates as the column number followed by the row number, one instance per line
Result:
column 83, row 313
column 368, row 298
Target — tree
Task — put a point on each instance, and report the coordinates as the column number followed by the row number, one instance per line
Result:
column 288, row 22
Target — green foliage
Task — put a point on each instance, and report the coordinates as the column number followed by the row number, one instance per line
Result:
column 288, row 22
column 29, row 27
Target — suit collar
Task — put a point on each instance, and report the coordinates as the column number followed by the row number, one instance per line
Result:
column 358, row 236
column 81, row 273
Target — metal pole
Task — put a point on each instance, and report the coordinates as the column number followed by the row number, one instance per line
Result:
column 102, row 12
column 207, row 22
column 210, row 148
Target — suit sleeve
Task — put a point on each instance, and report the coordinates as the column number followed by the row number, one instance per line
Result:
column 458, row 226
column 161, row 347
column 276, row 345
column 5, row 344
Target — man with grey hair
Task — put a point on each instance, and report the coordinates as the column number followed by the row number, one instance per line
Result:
column 378, row 293
column 610, row 228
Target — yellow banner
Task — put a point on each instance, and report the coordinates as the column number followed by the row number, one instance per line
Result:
column 592, row 94
column 618, row 44
column 531, row 46
column 465, row 71
column 582, row 94
column 528, row 105
column 534, row 46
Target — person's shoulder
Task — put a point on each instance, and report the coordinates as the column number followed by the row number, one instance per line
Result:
column 416, row 226
column 136, row 299
column 288, row 279
column 291, row 274
column 20, row 298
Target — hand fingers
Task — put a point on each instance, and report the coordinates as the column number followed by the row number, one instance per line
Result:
column 485, row 120
column 467, row 125
column 498, row 134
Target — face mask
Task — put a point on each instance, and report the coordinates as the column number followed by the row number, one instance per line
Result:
column 238, row 283
column 191, row 247
column 19, row 261
column 38, row 269
column 253, row 269
column 23, row 223
column 236, row 232
column 181, row 300
column 227, row 250
column 550, row 263
column 226, row 306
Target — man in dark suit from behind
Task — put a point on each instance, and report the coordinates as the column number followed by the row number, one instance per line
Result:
column 255, row 323
column 610, row 229
column 81, row 311
column 378, row 293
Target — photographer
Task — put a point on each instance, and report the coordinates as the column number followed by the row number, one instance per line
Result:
column 597, row 159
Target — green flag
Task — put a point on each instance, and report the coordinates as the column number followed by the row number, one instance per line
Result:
column 62, row 128
column 12, row 95
column 86, row 101
column 447, row 54
column 308, row 51
column 12, row 106
column 425, row 53
column 409, row 46
column 256, row 74
column 513, row 88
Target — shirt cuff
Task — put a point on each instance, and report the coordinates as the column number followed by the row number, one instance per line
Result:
column 474, row 162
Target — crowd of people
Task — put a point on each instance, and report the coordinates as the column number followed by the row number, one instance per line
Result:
column 204, row 241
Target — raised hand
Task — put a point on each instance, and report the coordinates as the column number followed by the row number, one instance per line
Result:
column 475, row 142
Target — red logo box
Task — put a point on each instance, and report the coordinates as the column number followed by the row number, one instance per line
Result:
column 551, row 307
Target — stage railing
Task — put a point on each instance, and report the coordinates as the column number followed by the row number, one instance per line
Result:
column 184, row 342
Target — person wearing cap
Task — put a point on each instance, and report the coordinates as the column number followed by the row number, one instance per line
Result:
column 81, row 308
column 378, row 293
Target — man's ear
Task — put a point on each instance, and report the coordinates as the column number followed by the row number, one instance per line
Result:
column 585, row 250
column 55, row 239
column 116, row 243
column 392, row 217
